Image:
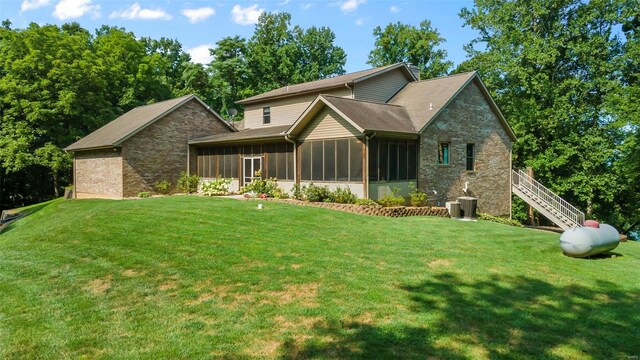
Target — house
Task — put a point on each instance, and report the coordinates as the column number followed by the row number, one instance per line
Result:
column 372, row 131
column 145, row 145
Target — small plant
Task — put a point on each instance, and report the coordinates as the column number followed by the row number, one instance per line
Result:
column 144, row 194
column 163, row 187
column 392, row 199
column 315, row 193
column 343, row 196
column 219, row 186
column 259, row 186
column 366, row 202
column 416, row 197
column 188, row 183
column 298, row 191
column 499, row 220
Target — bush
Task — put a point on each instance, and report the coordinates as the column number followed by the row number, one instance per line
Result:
column 498, row 219
column 219, row 186
column 298, row 191
column 366, row 202
column 343, row 196
column 257, row 187
column 315, row 193
column 416, row 197
column 392, row 199
column 144, row 194
column 162, row 187
column 188, row 183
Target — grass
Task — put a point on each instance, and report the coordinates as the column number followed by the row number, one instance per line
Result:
column 192, row 277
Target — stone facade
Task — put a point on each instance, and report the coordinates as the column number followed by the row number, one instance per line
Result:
column 468, row 119
column 159, row 152
column 98, row 173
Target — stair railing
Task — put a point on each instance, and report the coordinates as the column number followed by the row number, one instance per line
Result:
column 522, row 180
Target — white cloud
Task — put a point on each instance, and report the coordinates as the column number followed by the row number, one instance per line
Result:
column 246, row 16
column 359, row 21
column 285, row 2
column 71, row 9
column 196, row 15
column 200, row 54
column 351, row 5
column 33, row 4
column 137, row 12
column 394, row 9
column 306, row 6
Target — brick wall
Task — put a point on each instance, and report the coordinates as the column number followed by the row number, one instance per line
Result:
column 468, row 119
column 98, row 173
column 159, row 152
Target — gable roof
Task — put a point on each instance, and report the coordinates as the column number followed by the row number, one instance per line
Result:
column 130, row 123
column 324, row 84
column 270, row 132
column 425, row 99
column 365, row 116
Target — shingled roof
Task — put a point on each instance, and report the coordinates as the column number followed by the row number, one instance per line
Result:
column 117, row 131
column 324, row 84
column 372, row 116
column 264, row 133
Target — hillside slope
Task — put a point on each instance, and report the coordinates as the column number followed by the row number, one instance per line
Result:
column 187, row 277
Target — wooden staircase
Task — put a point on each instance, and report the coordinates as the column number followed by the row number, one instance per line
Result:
column 550, row 205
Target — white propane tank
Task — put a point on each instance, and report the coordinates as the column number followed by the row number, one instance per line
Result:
column 588, row 241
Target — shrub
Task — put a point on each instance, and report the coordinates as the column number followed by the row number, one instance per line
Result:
column 259, row 186
column 188, row 183
column 298, row 191
column 315, row 193
column 163, row 187
column 416, row 197
column 366, row 202
column 343, row 196
column 392, row 199
column 498, row 219
column 144, row 194
column 219, row 186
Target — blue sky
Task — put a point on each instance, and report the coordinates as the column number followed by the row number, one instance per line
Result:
column 198, row 24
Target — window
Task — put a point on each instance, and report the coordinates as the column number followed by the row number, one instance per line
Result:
column 443, row 153
column 331, row 160
column 392, row 160
column 218, row 161
column 266, row 115
column 471, row 157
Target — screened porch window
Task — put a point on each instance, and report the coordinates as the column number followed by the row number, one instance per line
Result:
column 331, row 160
column 392, row 160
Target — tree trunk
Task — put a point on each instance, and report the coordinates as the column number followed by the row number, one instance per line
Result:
column 1, row 187
column 589, row 208
column 56, row 192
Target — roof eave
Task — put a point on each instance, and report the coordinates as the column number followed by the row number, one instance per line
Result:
column 282, row 96
column 70, row 149
column 239, row 141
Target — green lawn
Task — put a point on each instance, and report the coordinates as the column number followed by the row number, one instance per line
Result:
column 185, row 277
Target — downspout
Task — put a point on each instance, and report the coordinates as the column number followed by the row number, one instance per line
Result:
column 188, row 160
column 366, row 164
column 350, row 89
column 295, row 158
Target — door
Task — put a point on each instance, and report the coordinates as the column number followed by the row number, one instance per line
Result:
column 251, row 166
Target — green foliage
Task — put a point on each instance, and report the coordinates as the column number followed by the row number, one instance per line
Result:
column 316, row 193
column 163, row 187
column 416, row 45
column 342, row 195
column 219, row 186
column 298, row 191
column 188, row 183
column 366, row 202
column 416, row 197
column 392, row 199
column 499, row 219
column 144, row 194
column 267, row 187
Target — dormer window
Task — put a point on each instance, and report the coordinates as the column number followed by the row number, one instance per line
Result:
column 266, row 115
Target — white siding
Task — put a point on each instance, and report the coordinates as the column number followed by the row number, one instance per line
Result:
column 285, row 111
column 381, row 88
column 328, row 124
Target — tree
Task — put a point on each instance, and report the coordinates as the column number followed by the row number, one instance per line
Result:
column 318, row 56
column 552, row 66
column 229, row 72
column 405, row 43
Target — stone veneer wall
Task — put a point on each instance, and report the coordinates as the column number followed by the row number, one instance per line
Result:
column 374, row 210
column 468, row 119
column 159, row 152
column 98, row 173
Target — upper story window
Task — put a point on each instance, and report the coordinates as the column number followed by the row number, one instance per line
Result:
column 443, row 153
column 266, row 115
column 471, row 157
